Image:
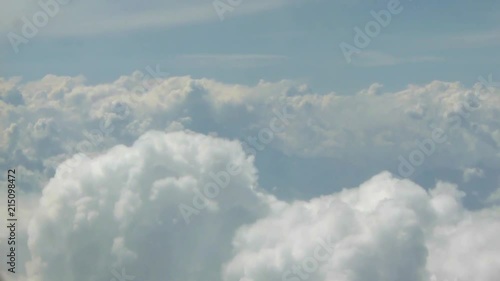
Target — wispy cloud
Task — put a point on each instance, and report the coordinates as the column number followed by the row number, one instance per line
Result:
column 229, row 60
column 93, row 17
column 474, row 39
column 455, row 40
column 372, row 58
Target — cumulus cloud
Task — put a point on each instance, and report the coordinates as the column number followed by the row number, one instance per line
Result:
column 121, row 210
column 111, row 190
column 387, row 229
column 57, row 117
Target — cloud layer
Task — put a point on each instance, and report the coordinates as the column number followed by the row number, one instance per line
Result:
column 47, row 121
column 120, row 211
column 114, row 195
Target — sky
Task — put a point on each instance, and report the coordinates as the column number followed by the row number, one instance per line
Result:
column 451, row 41
column 238, row 140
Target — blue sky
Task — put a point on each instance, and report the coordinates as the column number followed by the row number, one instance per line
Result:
column 428, row 40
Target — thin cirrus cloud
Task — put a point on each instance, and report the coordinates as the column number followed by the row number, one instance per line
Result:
column 471, row 39
column 92, row 17
column 229, row 60
column 374, row 58
column 451, row 40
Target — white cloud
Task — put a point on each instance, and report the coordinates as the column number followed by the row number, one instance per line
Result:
column 494, row 197
column 121, row 209
column 49, row 120
column 471, row 173
column 387, row 229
